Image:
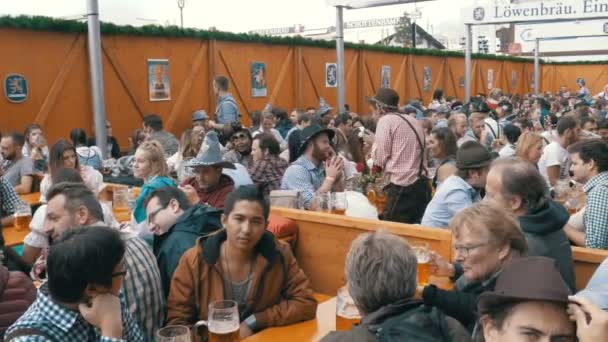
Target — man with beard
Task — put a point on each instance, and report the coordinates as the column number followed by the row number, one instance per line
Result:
column 241, row 148
column 314, row 172
column 72, row 205
column 209, row 186
column 17, row 169
column 461, row 190
column 477, row 129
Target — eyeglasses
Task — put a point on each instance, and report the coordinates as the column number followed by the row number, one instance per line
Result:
column 466, row 250
column 238, row 137
column 153, row 214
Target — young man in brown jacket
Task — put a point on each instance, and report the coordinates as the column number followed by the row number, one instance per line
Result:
column 243, row 263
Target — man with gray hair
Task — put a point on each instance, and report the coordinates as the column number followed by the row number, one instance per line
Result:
column 518, row 186
column 381, row 277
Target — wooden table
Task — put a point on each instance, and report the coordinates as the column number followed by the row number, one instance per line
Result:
column 312, row 330
column 14, row 237
column 31, row 199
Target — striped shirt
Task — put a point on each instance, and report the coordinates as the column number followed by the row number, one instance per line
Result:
column 9, row 200
column 142, row 286
column 62, row 324
column 397, row 150
column 596, row 215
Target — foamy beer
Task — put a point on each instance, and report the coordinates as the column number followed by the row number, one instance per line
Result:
column 347, row 313
column 423, row 257
column 223, row 322
column 23, row 217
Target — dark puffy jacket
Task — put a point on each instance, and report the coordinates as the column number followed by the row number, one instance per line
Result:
column 545, row 235
column 195, row 222
column 17, row 293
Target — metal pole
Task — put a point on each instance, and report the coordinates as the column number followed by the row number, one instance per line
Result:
column 340, row 57
column 467, row 62
column 181, row 4
column 537, row 67
column 99, row 108
column 414, row 34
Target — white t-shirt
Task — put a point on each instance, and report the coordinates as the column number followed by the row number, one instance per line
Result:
column 554, row 154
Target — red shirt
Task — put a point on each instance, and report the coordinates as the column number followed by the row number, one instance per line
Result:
column 215, row 196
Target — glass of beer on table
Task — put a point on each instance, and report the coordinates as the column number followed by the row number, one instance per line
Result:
column 423, row 256
column 322, row 202
column 120, row 200
column 223, row 322
column 339, row 203
column 23, row 216
column 173, row 333
column 347, row 313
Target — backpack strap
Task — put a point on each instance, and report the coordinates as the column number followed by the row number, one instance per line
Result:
column 21, row 332
column 421, row 143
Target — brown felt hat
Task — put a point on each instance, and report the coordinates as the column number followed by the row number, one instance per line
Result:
column 473, row 155
column 526, row 279
column 385, row 97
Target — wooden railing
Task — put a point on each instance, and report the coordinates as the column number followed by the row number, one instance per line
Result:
column 324, row 240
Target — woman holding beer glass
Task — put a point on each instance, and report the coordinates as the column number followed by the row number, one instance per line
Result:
column 485, row 239
column 243, row 263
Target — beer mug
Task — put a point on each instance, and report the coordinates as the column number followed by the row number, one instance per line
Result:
column 423, row 257
column 173, row 333
column 347, row 313
column 339, row 203
column 322, row 202
column 120, row 200
column 23, row 216
column 222, row 321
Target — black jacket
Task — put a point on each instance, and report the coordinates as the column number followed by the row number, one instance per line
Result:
column 545, row 235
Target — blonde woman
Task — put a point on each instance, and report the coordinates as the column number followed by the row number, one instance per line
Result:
column 530, row 147
column 149, row 164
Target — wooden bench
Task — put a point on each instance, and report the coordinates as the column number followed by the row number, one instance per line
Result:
column 324, row 240
column 586, row 261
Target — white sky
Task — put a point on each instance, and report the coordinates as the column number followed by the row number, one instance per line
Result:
column 240, row 15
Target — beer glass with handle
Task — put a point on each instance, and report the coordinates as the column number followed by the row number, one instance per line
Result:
column 347, row 314
column 222, row 322
column 23, row 216
column 423, row 257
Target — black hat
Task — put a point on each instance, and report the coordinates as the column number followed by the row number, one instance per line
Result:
column 385, row 97
column 473, row 155
column 526, row 279
column 312, row 132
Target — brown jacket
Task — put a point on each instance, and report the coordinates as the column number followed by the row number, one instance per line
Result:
column 280, row 292
column 17, row 293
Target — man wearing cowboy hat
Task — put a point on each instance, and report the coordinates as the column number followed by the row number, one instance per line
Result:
column 314, row 172
column 400, row 152
column 209, row 185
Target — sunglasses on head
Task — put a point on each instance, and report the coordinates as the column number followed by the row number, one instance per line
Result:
column 238, row 136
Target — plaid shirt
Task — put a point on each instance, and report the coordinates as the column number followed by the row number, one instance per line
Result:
column 304, row 176
column 267, row 173
column 596, row 215
column 397, row 150
column 62, row 324
column 142, row 286
column 9, row 200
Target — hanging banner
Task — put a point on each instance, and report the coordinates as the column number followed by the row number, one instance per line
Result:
column 331, row 75
column 504, row 12
column 385, row 77
column 490, row 79
column 426, row 77
column 259, row 87
column 158, row 80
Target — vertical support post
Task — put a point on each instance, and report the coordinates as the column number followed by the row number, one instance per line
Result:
column 340, row 57
column 467, row 62
column 414, row 34
column 96, row 69
column 537, row 67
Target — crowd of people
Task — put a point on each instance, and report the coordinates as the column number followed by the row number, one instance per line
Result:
column 516, row 179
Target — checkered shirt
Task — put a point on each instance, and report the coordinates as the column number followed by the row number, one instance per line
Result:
column 304, row 176
column 267, row 173
column 397, row 150
column 9, row 200
column 596, row 215
column 62, row 324
column 142, row 286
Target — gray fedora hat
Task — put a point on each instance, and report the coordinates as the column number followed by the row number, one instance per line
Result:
column 200, row 115
column 212, row 156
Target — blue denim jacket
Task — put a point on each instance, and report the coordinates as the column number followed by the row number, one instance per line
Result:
column 227, row 110
column 452, row 196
